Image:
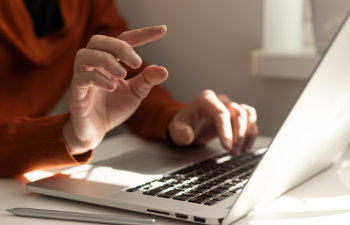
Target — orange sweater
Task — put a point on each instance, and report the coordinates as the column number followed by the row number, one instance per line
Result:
column 35, row 72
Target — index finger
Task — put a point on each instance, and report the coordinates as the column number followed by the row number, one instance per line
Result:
column 144, row 35
column 209, row 104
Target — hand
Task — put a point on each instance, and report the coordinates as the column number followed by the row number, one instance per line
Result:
column 211, row 115
column 100, row 99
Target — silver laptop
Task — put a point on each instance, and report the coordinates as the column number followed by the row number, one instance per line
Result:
column 185, row 185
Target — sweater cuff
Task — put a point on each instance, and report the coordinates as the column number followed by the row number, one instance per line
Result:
column 38, row 144
column 62, row 155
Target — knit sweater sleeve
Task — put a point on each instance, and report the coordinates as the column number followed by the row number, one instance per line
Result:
column 30, row 141
column 28, row 144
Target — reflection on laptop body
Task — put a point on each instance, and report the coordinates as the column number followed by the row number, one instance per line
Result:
column 222, row 189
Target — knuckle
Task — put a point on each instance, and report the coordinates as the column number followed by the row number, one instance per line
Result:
column 80, row 53
column 252, row 110
column 110, row 60
column 207, row 92
column 251, row 113
column 223, row 113
column 249, row 108
column 124, row 46
column 235, row 105
column 235, row 108
column 222, row 97
column 94, row 39
column 243, row 112
column 78, row 59
column 206, row 95
column 122, row 34
column 93, row 75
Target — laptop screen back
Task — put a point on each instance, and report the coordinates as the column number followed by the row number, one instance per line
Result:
column 315, row 133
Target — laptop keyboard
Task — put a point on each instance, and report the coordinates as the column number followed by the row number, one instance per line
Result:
column 207, row 182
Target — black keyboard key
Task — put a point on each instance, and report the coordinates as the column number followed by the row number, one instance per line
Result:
column 151, row 192
column 228, row 194
column 219, row 198
column 200, row 199
column 187, row 170
column 205, row 186
column 210, row 202
column 132, row 189
column 194, row 192
column 226, row 186
column 219, row 180
column 210, row 194
column 182, row 197
column 164, row 195
column 214, row 178
column 216, row 190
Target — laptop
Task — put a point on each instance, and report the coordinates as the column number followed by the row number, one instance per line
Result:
column 208, row 186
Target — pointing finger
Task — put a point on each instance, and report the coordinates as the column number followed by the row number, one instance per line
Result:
column 142, row 36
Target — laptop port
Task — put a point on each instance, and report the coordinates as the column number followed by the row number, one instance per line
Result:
column 158, row 212
column 181, row 216
column 198, row 219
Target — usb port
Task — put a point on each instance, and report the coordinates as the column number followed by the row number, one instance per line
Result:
column 199, row 219
column 181, row 216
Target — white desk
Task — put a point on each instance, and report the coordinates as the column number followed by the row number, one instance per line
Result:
column 321, row 200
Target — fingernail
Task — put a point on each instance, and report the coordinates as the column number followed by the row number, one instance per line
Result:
column 113, row 87
column 227, row 144
column 159, row 28
column 121, row 71
column 136, row 61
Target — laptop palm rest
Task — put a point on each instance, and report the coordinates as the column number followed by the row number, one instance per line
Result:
column 143, row 162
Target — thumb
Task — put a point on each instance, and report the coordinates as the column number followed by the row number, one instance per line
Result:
column 149, row 77
column 181, row 132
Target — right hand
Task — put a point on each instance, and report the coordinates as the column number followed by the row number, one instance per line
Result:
column 100, row 97
column 211, row 115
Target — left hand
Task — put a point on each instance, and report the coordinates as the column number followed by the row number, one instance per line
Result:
column 211, row 115
column 100, row 98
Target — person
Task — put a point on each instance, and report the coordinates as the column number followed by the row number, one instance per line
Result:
column 46, row 46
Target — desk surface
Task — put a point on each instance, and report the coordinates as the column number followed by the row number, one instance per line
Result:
column 324, row 199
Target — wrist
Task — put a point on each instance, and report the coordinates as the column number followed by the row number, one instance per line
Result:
column 72, row 142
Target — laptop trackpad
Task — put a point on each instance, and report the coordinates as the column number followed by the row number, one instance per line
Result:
column 143, row 162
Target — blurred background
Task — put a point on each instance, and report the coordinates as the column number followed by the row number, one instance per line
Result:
column 257, row 52
column 208, row 46
column 211, row 45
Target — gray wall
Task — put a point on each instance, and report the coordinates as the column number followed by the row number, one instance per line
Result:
column 208, row 46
